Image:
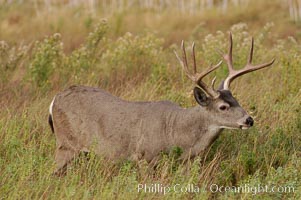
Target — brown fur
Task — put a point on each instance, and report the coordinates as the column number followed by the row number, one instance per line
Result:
column 86, row 118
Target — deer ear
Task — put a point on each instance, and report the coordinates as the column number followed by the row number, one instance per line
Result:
column 201, row 97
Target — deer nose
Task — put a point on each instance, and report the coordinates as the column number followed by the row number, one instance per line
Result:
column 250, row 121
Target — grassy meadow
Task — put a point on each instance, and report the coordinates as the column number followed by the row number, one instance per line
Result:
column 129, row 52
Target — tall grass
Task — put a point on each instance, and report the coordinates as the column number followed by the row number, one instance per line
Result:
column 141, row 66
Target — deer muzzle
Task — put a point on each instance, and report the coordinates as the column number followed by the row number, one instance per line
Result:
column 249, row 121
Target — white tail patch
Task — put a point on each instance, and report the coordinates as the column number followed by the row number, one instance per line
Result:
column 50, row 107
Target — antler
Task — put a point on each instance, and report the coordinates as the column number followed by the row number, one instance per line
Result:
column 248, row 68
column 197, row 77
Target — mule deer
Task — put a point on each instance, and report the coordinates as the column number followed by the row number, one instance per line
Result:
column 82, row 117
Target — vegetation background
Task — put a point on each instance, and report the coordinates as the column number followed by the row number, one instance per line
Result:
column 126, row 48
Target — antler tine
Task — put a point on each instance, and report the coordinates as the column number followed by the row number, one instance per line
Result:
column 193, row 56
column 248, row 68
column 213, row 82
column 197, row 77
column 251, row 52
column 184, row 56
column 228, row 57
column 208, row 71
column 183, row 63
column 200, row 76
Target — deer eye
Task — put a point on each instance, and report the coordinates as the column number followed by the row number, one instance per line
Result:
column 223, row 107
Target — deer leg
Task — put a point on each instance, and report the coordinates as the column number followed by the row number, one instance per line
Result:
column 63, row 156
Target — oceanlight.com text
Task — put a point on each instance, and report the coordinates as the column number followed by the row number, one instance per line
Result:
column 253, row 189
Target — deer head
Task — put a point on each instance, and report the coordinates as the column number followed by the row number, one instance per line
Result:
column 222, row 106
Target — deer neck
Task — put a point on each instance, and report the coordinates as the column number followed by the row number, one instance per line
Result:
column 197, row 125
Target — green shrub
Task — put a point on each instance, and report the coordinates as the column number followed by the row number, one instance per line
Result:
column 80, row 66
column 131, row 56
column 47, row 58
